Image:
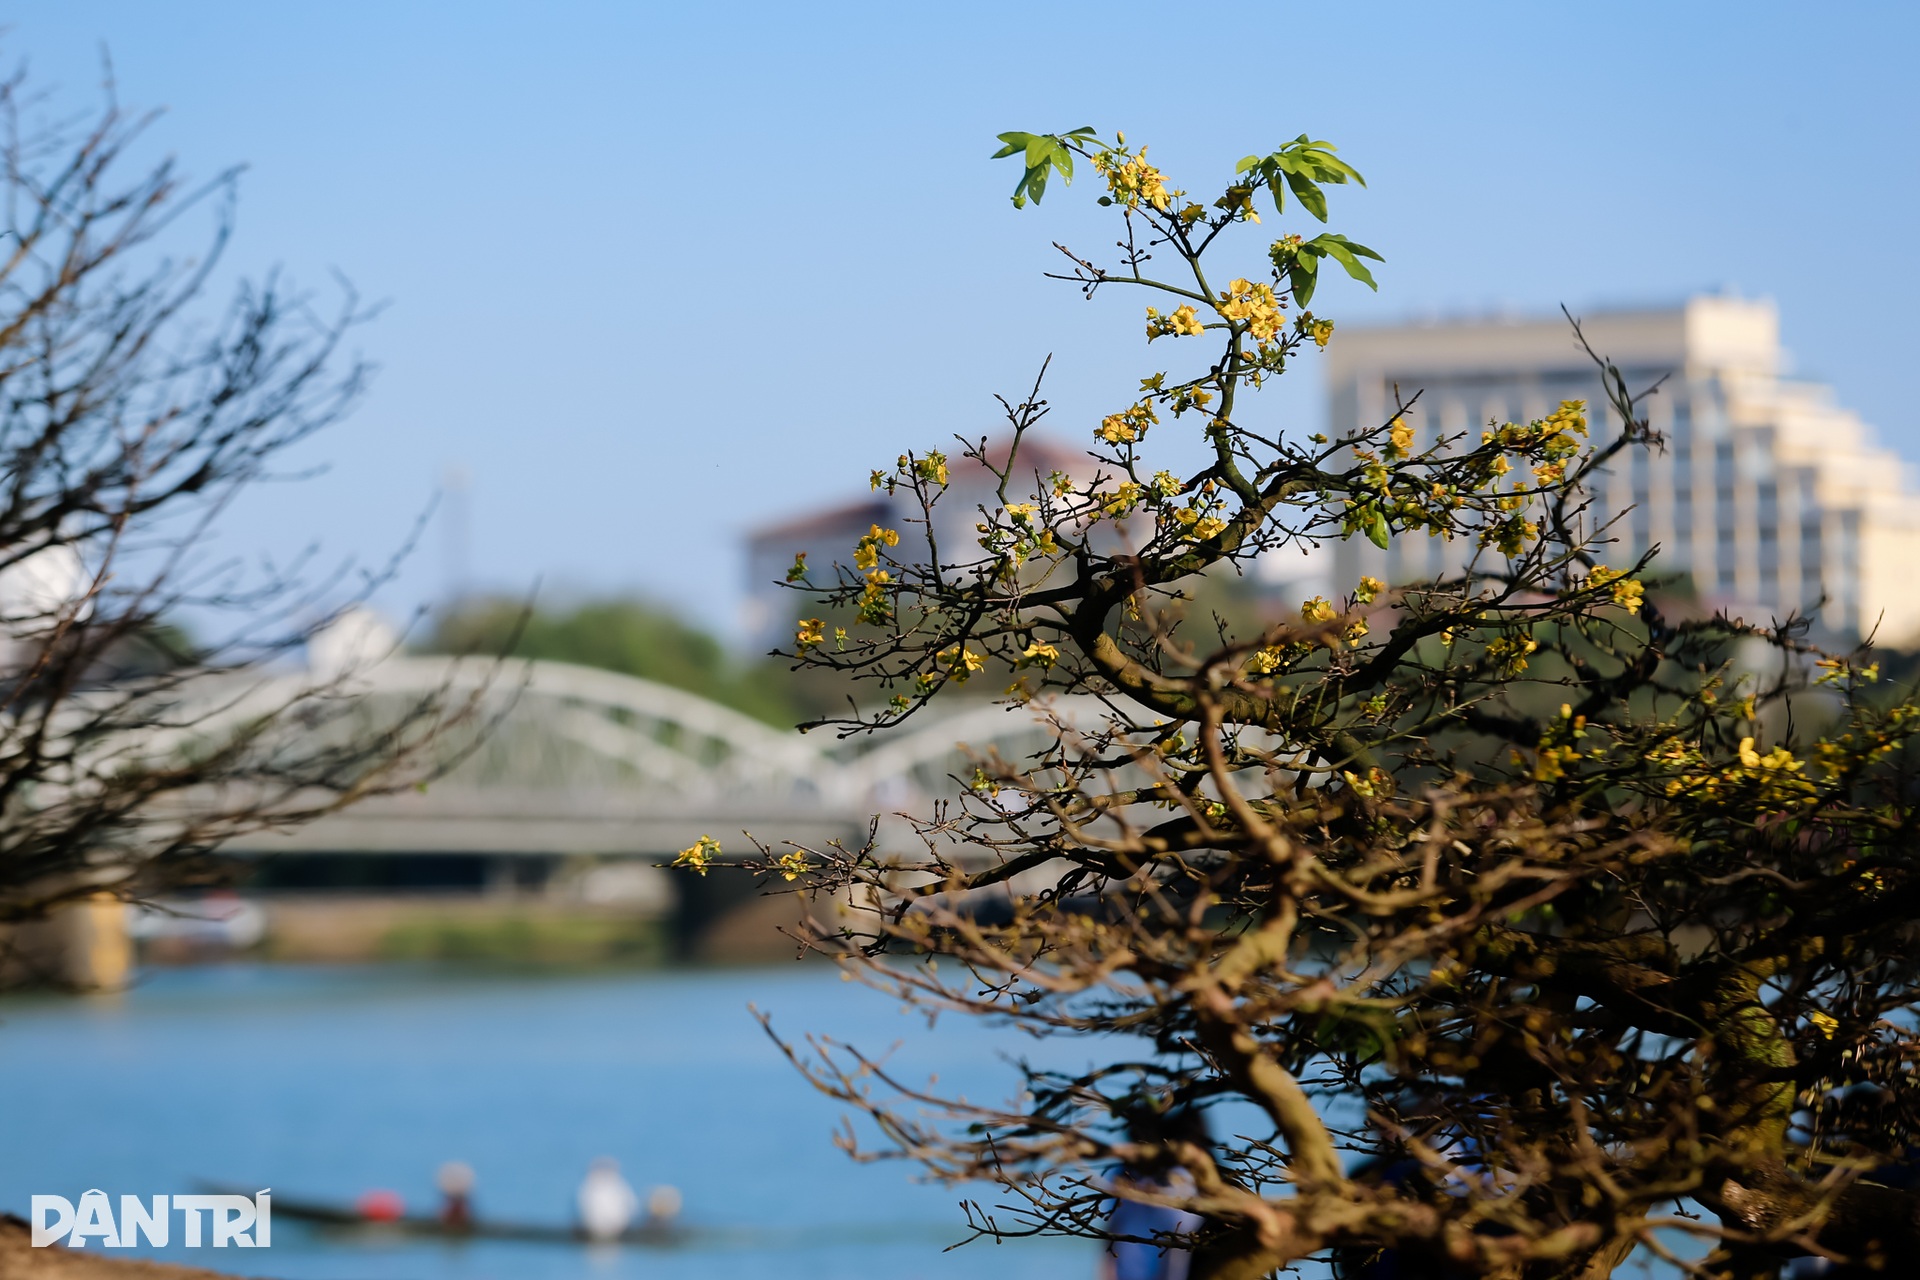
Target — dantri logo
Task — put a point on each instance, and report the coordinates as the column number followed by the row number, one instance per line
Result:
column 219, row 1220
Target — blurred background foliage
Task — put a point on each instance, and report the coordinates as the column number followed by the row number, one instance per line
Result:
column 634, row 637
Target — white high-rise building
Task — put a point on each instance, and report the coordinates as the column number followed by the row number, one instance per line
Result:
column 1768, row 496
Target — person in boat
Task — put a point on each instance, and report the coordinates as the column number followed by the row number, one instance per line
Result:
column 606, row 1203
column 663, row 1210
column 1145, row 1249
column 455, row 1180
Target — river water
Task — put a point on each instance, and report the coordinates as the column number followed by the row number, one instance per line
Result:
column 325, row 1083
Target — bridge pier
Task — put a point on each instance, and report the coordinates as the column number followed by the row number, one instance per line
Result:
column 81, row 946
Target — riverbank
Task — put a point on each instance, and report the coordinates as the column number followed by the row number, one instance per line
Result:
column 19, row 1260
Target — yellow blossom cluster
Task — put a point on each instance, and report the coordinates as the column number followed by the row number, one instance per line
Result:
column 1128, row 425
column 1039, row 654
column 1369, row 590
column 1317, row 610
column 1569, row 420
column 1130, row 180
column 1375, row 784
column 1842, row 670
column 1183, row 323
column 1197, row 520
column 1321, row 331
column 1508, row 654
column 1510, row 535
column 699, row 855
column 1253, row 305
column 1237, row 202
column 932, row 468
column 1775, row 780
column 1550, row 765
column 866, row 552
column 1557, row 750
column 1628, row 593
column 794, row 865
column 874, row 609
column 1266, row 660
column 1399, row 438
column 961, row 662
column 809, row 634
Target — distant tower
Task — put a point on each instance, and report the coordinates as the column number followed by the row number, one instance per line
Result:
column 1768, row 496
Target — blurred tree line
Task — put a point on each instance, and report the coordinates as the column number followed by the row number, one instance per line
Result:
column 636, row 638
column 643, row 638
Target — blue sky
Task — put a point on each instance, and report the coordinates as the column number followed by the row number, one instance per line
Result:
column 657, row 274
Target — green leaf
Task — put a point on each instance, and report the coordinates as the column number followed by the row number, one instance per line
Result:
column 1335, row 247
column 1302, row 275
column 1353, row 246
column 1246, row 164
column 1377, row 532
column 1015, row 142
column 1310, row 196
column 1036, row 182
column 1042, row 154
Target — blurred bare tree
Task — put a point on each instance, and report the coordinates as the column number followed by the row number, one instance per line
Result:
column 132, row 411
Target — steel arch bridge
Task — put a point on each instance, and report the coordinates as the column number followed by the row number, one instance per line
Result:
column 579, row 761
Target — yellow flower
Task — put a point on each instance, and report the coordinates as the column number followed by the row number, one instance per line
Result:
column 811, row 632
column 1509, row 654
column 1124, row 499
column 1040, row 654
column 1571, row 417
column 1825, row 1023
column 1399, row 438
column 1128, row 425
column 794, row 865
column 874, row 609
column 1368, row 591
column 961, row 663
column 1130, row 179
column 699, row 855
column 1265, row 661
column 1253, row 305
column 1317, row 610
column 1551, row 766
column 866, row 553
column 1628, row 593
column 1020, row 512
column 932, row 468
column 1208, row 528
